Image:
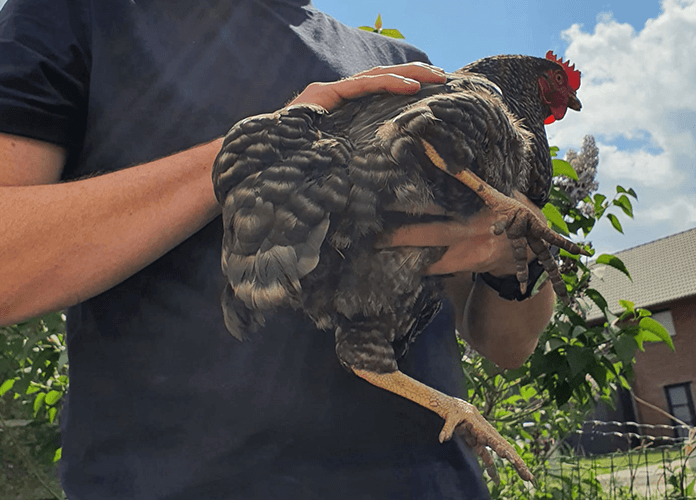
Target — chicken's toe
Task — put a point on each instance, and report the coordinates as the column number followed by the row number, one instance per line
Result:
column 463, row 418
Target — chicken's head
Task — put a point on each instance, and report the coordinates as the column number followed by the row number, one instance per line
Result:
column 558, row 87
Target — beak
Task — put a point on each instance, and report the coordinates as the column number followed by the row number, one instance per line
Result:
column 574, row 102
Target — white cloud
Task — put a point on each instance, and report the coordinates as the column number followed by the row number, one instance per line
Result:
column 640, row 166
column 679, row 211
column 639, row 101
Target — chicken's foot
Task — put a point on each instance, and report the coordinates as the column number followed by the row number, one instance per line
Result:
column 460, row 417
column 522, row 226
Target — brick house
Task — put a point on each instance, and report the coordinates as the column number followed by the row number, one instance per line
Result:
column 664, row 282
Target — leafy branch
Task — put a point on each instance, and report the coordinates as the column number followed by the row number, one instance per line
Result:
column 578, row 361
column 377, row 28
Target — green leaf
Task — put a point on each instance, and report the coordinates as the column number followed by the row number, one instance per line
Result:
column 62, row 359
column 526, row 435
column 552, row 344
column 625, row 348
column 6, row 386
column 556, row 192
column 490, row 368
column 611, row 317
column 54, row 322
column 615, row 262
column 58, row 454
column 578, row 360
column 615, row 222
column 645, row 336
column 38, row 402
column 575, row 318
column 562, row 393
column 528, row 392
column 565, row 253
column 599, row 373
column 392, row 33
column 598, row 200
column 690, row 488
column 538, row 364
column 643, row 312
column 630, row 191
column 625, row 204
column 554, row 216
column 598, row 299
column 52, row 412
column 628, row 305
column 378, row 22
column 368, row 28
column 553, row 151
column 21, row 385
column 657, row 329
column 53, row 397
column 562, row 167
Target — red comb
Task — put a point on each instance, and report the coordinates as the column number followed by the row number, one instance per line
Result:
column 573, row 74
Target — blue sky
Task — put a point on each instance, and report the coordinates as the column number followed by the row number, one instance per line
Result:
column 454, row 32
column 638, row 87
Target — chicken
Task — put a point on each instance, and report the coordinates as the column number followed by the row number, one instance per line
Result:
column 306, row 193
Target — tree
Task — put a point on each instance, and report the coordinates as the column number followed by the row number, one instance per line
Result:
column 576, row 363
column 33, row 381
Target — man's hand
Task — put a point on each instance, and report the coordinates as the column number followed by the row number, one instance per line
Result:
column 472, row 245
column 504, row 331
column 398, row 79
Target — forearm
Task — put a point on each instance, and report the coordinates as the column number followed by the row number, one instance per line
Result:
column 63, row 243
column 504, row 331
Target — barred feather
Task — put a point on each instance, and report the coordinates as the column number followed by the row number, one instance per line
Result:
column 305, row 193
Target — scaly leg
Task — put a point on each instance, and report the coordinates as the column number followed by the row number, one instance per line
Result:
column 458, row 414
column 522, row 226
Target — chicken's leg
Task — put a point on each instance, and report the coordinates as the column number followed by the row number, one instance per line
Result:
column 521, row 225
column 459, row 416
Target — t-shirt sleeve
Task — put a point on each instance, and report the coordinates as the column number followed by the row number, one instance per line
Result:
column 44, row 69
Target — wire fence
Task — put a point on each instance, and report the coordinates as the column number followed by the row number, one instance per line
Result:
column 653, row 462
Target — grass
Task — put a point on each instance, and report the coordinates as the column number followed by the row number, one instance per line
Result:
column 639, row 475
column 607, row 464
column 632, row 460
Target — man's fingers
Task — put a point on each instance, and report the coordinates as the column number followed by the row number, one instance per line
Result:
column 424, row 73
column 400, row 79
column 331, row 95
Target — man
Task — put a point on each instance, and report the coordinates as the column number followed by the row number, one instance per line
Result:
column 128, row 102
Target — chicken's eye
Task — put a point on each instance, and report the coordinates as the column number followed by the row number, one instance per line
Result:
column 559, row 78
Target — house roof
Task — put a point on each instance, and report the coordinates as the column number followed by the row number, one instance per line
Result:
column 662, row 270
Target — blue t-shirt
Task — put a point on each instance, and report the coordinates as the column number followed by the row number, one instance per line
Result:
column 164, row 403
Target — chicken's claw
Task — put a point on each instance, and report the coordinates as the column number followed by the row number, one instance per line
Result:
column 523, row 227
column 460, row 417
column 482, row 452
column 465, row 420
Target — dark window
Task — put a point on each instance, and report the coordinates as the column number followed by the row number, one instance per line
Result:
column 681, row 405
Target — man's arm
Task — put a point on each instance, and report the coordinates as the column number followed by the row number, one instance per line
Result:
column 504, row 331
column 65, row 242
